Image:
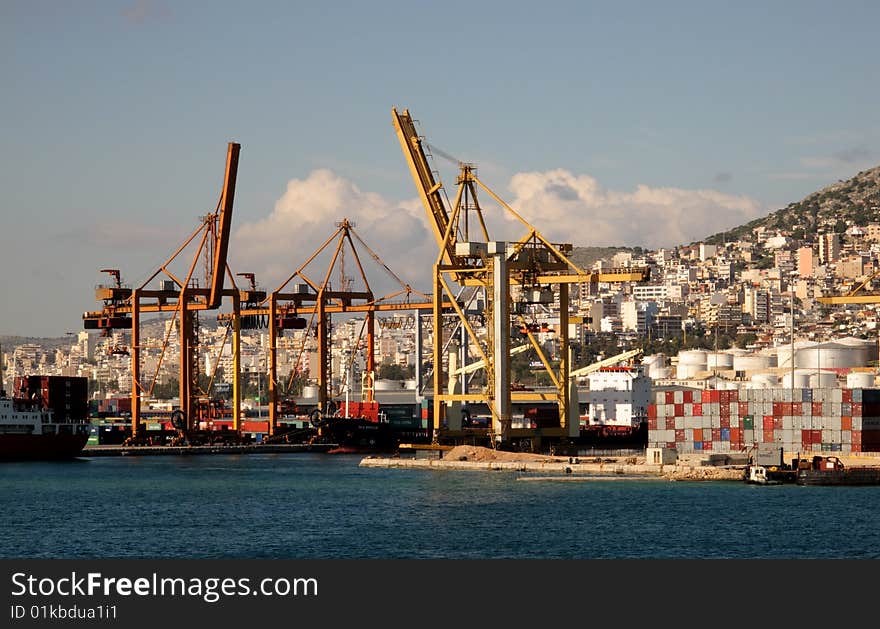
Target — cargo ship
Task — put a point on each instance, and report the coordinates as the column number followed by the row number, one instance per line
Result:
column 33, row 429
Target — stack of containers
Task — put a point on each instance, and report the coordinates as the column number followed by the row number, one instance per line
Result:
column 798, row 420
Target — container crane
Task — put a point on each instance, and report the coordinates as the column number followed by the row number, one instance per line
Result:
column 533, row 264
column 305, row 294
column 178, row 294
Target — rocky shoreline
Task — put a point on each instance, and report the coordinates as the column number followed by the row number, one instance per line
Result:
column 473, row 458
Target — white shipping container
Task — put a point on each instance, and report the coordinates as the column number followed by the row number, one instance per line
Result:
column 734, row 422
column 835, row 435
column 688, row 409
column 836, row 396
column 856, row 423
column 846, row 436
column 678, row 396
column 661, row 423
column 680, row 423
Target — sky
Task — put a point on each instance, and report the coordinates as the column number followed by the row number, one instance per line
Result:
column 602, row 123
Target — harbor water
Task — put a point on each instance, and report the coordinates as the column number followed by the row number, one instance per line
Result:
column 318, row 506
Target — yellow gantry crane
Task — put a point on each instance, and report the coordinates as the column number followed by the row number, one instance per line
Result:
column 532, row 264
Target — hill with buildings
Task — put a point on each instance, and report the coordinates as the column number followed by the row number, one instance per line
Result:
column 855, row 201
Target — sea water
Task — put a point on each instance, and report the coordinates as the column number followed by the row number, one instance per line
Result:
column 318, row 506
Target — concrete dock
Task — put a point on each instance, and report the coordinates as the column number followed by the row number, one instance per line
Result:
column 569, row 468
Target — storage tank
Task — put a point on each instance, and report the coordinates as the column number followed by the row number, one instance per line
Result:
column 686, row 371
column 765, row 380
column 692, row 357
column 841, row 354
column 310, row 391
column 385, row 384
column 799, row 380
column 751, row 362
column 719, row 360
column 860, row 380
column 823, row 380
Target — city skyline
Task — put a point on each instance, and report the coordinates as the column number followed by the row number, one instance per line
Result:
column 630, row 124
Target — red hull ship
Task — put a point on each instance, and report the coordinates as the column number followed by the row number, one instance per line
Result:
column 29, row 428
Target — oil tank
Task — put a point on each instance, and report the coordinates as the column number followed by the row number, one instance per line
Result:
column 686, row 371
column 765, row 380
column 719, row 360
column 692, row 357
column 860, row 380
column 800, row 379
column 751, row 362
column 823, row 380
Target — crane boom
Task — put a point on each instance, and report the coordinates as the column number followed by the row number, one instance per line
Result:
column 428, row 187
column 224, row 227
column 608, row 362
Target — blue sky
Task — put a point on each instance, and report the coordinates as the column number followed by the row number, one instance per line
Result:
column 634, row 123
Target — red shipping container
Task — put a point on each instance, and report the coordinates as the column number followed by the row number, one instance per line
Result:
column 707, row 445
column 652, row 411
column 670, row 445
column 777, row 408
column 847, row 395
column 768, row 422
column 724, row 422
column 705, row 396
column 743, row 408
column 817, row 409
column 698, row 434
column 247, row 426
column 679, row 410
column 715, row 396
column 652, row 423
column 698, row 410
column 679, row 435
column 856, row 409
column 846, row 423
column 768, row 436
column 688, row 397
column 735, row 435
column 816, row 436
column 777, row 423
column 716, row 434
column 670, row 397
column 857, row 437
column 856, row 447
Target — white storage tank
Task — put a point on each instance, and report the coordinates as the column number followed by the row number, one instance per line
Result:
column 800, row 379
column 765, row 380
column 751, row 362
column 719, row 360
column 823, row 380
column 860, row 380
column 310, row 391
column 387, row 385
column 686, row 371
column 692, row 357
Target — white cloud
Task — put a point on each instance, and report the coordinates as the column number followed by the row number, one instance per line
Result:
column 562, row 206
column 305, row 217
column 576, row 209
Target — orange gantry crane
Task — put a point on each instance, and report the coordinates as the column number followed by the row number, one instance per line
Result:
column 305, row 293
column 180, row 294
column 468, row 257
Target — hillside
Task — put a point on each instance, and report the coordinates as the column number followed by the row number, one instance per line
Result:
column 854, row 201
